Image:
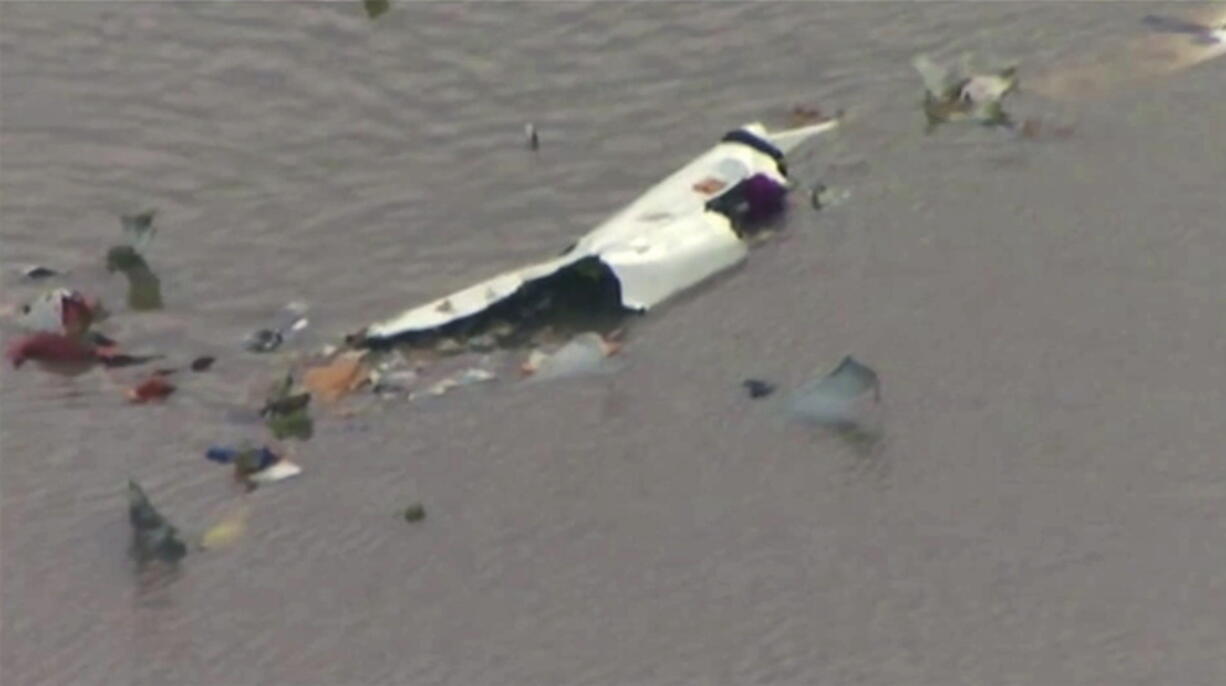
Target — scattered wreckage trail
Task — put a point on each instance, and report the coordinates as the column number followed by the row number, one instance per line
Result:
column 1173, row 45
column 689, row 227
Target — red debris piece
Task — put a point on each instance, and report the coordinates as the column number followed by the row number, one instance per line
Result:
column 50, row 347
column 155, row 388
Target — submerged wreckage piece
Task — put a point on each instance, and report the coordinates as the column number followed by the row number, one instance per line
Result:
column 840, row 399
column 153, row 538
column 583, row 355
column 144, row 286
column 958, row 93
column 687, row 228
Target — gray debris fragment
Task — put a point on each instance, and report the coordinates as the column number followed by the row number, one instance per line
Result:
column 153, row 538
column 841, row 399
column 959, row 93
column 586, row 353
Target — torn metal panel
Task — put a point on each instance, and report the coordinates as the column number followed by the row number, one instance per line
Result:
column 844, row 399
column 680, row 232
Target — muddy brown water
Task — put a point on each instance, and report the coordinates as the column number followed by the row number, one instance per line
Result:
column 1046, row 317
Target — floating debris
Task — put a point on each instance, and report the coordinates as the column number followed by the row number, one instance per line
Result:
column 203, row 363
column 263, row 341
column 53, row 349
column 153, row 538
column 254, row 464
column 376, row 8
column 414, row 513
column 815, row 196
column 269, row 339
column 287, row 414
column 227, row 531
column 297, row 425
column 60, row 310
column 339, row 377
column 70, row 353
column 956, row 93
column 467, row 377
column 758, row 388
column 807, row 115
column 38, row 272
column 286, row 405
column 144, row 287
column 823, row 197
column 582, row 355
column 138, row 229
column 387, row 378
column 841, row 398
column 153, row 389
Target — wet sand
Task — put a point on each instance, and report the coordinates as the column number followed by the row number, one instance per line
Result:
column 1046, row 318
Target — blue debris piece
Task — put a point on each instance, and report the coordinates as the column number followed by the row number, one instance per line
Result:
column 251, row 459
column 221, row 455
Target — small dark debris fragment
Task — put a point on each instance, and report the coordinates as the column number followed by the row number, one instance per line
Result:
column 202, row 364
column 263, row 341
column 815, row 198
column 534, row 141
column 297, row 425
column 39, row 272
column 414, row 513
column 286, row 405
column 124, row 360
column 758, row 388
column 375, row 8
column 144, row 286
column 287, row 415
column 153, row 538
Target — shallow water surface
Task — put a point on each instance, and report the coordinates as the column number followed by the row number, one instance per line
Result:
column 1046, row 318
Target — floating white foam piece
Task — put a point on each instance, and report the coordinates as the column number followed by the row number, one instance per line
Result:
column 279, row 471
